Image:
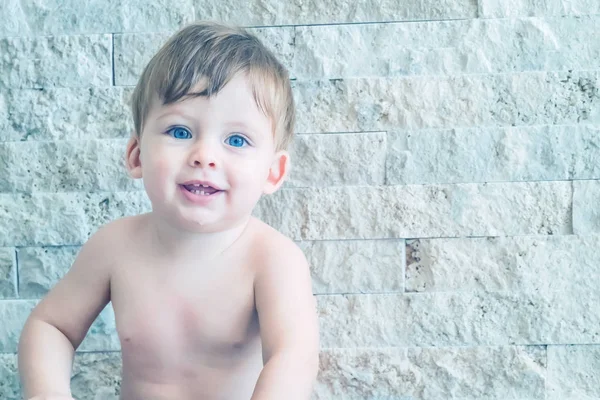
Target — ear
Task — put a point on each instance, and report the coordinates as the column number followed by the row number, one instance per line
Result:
column 277, row 172
column 132, row 157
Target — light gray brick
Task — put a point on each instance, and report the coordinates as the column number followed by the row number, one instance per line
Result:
column 13, row 314
column 420, row 211
column 446, row 47
column 9, row 378
column 507, row 8
column 64, row 61
column 67, row 218
column 64, row 113
column 433, row 373
column 40, row 268
column 338, row 159
column 311, row 214
column 355, row 266
column 393, row 104
column 273, row 12
column 45, row 17
column 517, row 264
column 390, row 104
column 83, row 165
column 336, row 267
column 134, row 50
column 98, row 165
column 573, row 372
column 8, row 273
column 96, row 376
column 586, row 215
column 459, row 319
column 537, row 153
column 102, row 335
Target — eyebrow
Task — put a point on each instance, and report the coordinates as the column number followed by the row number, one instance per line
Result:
column 236, row 124
column 175, row 112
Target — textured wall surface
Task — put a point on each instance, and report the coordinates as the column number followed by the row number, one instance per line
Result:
column 445, row 191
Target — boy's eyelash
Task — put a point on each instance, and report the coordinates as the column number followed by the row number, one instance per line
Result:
column 246, row 138
column 172, row 128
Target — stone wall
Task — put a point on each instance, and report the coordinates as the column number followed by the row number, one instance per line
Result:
column 445, row 190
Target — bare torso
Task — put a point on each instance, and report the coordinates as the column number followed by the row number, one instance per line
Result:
column 188, row 330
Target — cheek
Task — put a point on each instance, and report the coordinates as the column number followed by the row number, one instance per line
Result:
column 250, row 174
column 157, row 164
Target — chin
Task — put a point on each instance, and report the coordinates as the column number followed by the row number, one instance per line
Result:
column 207, row 224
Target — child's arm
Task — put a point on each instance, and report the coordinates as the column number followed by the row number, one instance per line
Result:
column 288, row 327
column 58, row 324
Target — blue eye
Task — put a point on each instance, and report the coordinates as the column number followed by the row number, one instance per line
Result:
column 179, row 133
column 236, row 141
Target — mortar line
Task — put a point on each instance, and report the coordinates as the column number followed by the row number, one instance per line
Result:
column 16, row 261
column 112, row 56
column 400, row 21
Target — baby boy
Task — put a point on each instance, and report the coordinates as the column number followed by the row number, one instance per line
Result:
column 209, row 302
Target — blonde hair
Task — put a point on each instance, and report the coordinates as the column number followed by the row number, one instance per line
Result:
column 213, row 54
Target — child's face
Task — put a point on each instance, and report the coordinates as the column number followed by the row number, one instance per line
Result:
column 224, row 142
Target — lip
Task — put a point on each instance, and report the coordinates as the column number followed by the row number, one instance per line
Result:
column 196, row 199
column 204, row 183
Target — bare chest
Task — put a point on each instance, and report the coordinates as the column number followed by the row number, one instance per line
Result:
column 173, row 322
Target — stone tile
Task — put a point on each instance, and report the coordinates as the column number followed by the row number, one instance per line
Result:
column 459, row 319
column 318, row 214
column 134, row 50
column 13, row 314
column 573, row 372
column 9, row 378
column 446, row 47
column 65, row 166
column 438, row 102
column 273, row 12
column 517, row 264
column 52, row 17
column 503, row 209
column 338, row 159
column 503, row 8
column 40, row 268
column 64, row 61
column 68, row 218
column 98, row 165
column 586, row 215
column 64, row 113
column 540, row 153
column 433, row 373
column 96, row 376
column 8, row 273
column 357, row 266
column 102, row 335
column 336, row 267
column 390, row 104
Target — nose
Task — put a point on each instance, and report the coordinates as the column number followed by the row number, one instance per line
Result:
column 203, row 155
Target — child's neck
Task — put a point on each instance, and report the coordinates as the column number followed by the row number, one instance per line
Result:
column 173, row 242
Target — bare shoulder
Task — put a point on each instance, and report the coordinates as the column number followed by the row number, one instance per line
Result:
column 274, row 249
column 117, row 233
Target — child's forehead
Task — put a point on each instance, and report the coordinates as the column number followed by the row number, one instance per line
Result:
column 240, row 94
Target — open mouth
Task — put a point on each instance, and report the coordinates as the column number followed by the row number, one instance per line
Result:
column 201, row 190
